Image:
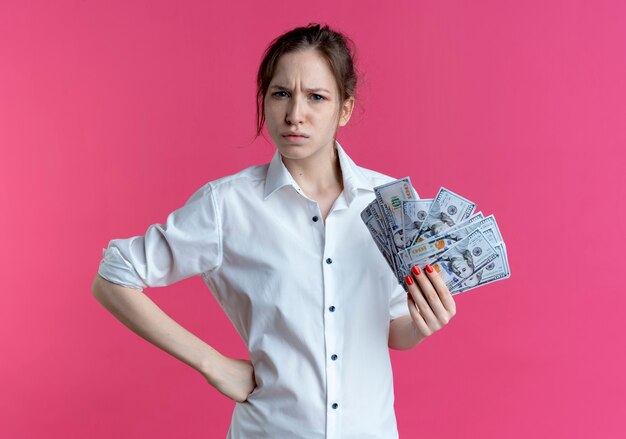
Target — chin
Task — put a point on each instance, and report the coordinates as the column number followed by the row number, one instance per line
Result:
column 299, row 151
column 294, row 152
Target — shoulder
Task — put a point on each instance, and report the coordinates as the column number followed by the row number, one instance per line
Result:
column 375, row 178
column 246, row 178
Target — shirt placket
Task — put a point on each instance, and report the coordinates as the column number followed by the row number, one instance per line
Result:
column 332, row 309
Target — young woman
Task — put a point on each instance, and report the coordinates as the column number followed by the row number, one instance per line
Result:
column 284, row 251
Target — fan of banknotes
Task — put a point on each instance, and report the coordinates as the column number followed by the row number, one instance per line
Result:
column 466, row 248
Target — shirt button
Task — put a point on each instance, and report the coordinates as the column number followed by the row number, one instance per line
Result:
column 315, row 218
column 335, row 405
column 332, row 308
column 329, row 261
column 333, row 357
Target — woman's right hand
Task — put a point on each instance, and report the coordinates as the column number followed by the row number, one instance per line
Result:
column 232, row 377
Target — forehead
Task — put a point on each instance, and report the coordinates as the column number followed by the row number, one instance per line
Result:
column 307, row 68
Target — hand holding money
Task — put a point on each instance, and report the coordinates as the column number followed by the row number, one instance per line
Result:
column 430, row 303
column 464, row 247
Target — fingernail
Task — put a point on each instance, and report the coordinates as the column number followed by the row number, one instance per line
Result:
column 416, row 270
column 429, row 268
column 409, row 280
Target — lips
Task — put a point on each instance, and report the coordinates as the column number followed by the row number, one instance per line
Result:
column 295, row 135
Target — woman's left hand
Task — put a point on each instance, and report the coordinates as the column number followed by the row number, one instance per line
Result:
column 435, row 305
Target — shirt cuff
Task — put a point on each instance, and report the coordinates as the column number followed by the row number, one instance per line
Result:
column 398, row 303
column 116, row 269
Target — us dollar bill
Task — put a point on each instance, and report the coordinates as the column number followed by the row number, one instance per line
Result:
column 491, row 231
column 448, row 209
column 465, row 248
column 390, row 197
column 420, row 253
column 381, row 246
column 414, row 212
column 495, row 270
column 465, row 258
column 373, row 220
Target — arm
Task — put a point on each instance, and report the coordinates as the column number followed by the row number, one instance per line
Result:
column 431, row 307
column 232, row 377
column 403, row 334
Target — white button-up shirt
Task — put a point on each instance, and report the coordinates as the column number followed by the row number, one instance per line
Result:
column 311, row 300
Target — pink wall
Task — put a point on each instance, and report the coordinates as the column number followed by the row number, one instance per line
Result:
column 113, row 113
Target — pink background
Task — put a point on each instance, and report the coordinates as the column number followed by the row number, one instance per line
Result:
column 113, row 113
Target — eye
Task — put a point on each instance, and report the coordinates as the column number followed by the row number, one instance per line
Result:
column 321, row 98
column 278, row 93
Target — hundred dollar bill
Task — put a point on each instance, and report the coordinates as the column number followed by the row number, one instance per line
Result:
column 420, row 253
column 401, row 271
column 439, row 244
column 371, row 218
column 465, row 258
column 378, row 214
column 414, row 212
column 448, row 209
column 372, row 226
column 381, row 246
column 390, row 197
column 491, row 231
column 495, row 270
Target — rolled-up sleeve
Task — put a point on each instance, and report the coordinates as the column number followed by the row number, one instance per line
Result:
column 188, row 244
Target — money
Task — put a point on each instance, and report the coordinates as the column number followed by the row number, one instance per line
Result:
column 375, row 229
column 496, row 270
column 390, row 197
column 490, row 229
column 460, row 262
column 375, row 223
column 414, row 213
column 371, row 218
column 466, row 248
column 448, row 209
column 419, row 253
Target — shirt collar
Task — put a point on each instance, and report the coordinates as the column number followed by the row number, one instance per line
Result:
column 353, row 178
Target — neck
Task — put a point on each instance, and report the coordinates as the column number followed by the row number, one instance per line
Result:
column 317, row 174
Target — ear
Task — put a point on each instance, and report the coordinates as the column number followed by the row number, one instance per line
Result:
column 346, row 111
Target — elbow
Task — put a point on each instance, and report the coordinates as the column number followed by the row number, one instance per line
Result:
column 98, row 287
column 101, row 287
column 402, row 334
column 396, row 345
column 401, row 347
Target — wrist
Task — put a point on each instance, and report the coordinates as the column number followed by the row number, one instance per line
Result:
column 210, row 365
column 416, row 335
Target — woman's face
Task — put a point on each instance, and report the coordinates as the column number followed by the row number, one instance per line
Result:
column 302, row 98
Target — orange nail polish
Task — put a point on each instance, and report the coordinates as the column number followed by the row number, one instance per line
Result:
column 416, row 270
column 409, row 280
column 429, row 268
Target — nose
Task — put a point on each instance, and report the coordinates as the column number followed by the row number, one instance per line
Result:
column 294, row 114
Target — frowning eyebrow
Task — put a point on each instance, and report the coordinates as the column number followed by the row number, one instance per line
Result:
column 312, row 90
